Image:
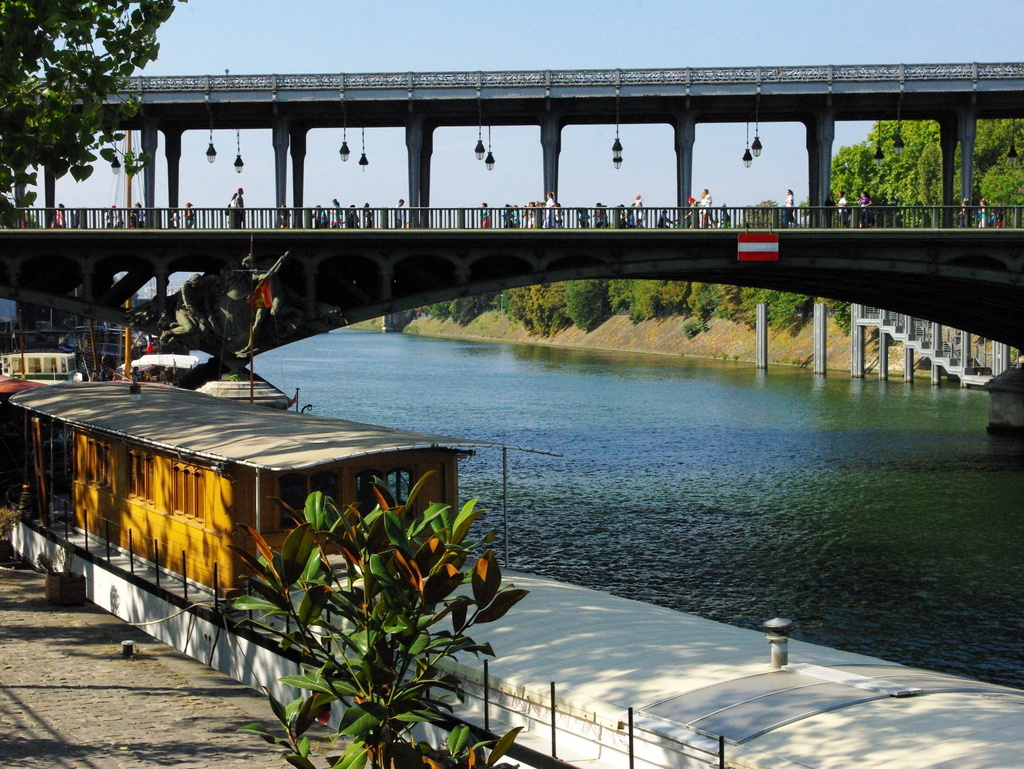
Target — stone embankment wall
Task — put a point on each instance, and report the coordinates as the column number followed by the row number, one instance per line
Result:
column 665, row 336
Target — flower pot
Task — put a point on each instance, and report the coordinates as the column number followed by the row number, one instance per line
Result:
column 65, row 589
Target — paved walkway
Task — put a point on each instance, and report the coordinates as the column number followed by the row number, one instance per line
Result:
column 69, row 699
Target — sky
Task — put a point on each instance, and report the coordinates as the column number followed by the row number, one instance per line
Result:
column 319, row 36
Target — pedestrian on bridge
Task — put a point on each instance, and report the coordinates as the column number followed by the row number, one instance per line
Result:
column 400, row 214
column 237, row 206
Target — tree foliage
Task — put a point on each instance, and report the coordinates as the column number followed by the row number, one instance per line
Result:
column 60, row 62
column 586, row 303
column 464, row 309
column 915, row 176
column 373, row 631
column 541, row 309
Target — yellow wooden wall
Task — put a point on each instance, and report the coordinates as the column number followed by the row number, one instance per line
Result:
column 110, row 510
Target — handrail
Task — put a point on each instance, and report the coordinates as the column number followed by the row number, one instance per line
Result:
column 336, row 219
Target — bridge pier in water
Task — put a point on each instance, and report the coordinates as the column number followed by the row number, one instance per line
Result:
column 761, row 337
column 820, row 339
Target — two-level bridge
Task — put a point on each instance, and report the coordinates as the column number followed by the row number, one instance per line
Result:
column 968, row 277
column 954, row 95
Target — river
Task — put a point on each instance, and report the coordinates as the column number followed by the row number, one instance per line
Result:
column 879, row 516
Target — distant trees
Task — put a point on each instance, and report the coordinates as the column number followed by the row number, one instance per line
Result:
column 915, row 176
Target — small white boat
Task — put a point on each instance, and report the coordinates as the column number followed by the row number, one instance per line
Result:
column 47, row 366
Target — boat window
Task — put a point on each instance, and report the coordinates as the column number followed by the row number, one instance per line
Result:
column 399, row 482
column 187, row 491
column 140, row 475
column 364, row 490
column 98, row 463
column 291, row 489
column 326, row 483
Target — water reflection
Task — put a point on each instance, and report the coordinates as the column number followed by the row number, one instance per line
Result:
column 879, row 515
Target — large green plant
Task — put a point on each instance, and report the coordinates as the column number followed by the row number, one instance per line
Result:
column 372, row 626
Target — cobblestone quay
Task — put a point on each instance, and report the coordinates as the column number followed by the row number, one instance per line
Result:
column 69, row 699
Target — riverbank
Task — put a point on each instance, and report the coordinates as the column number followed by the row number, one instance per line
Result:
column 723, row 340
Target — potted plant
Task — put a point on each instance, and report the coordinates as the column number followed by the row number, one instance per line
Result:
column 9, row 518
column 63, row 586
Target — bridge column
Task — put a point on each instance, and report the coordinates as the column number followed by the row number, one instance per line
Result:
column 298, row 146
column 551, row 143
column 172, row 153
column 883, row 356
column 966, row 359
column 49, row 189
column 1000, row 358
column 685, row 131
column 936, row 352
column 856, row 342
column 281, row 139
column 761, row 338
column 821, row 134
column 820, row 339
column 966, row 131
column 419, row 141
column 150, row 143
column 908, row 364
column 947, row 144
column 1006, row 403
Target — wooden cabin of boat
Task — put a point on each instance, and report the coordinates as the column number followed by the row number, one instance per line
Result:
column 47, row 366
column 173, row 472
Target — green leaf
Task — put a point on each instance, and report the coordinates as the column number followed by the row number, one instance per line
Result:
column 464, row 520
column 295, row 552
column 458, row 739
column 502, row 602
column 502, row 747
column 361, row 718
column 354, row 757
column 313, row 602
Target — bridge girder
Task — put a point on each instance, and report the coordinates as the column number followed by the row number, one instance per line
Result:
column 968, row 279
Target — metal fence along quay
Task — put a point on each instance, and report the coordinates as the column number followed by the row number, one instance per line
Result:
column 335, row 219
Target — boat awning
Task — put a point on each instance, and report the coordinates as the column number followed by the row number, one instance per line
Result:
column 166, row 360
column 224, row 430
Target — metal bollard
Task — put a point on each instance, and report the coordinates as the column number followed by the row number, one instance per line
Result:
column 127, row 649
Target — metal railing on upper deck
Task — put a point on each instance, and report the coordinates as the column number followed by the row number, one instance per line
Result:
column 334, row 219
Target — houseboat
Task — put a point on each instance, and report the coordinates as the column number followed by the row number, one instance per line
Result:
column 171, row 473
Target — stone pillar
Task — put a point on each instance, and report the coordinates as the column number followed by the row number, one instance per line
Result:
column 883, row 355
column 282, row 140
column 685, row 135
column 172, row 153
column 297, row 137
column 856, row 343
column 551, row 143
column 820, row 339
column 149, row 147
column 761, row 346
column 908, row 364
column 1006, row 403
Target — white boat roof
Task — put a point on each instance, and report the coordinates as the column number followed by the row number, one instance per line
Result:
column 221, row 429
column 166, row 360
column 690, row 680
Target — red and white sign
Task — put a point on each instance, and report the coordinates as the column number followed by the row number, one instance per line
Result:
column 758, row 247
